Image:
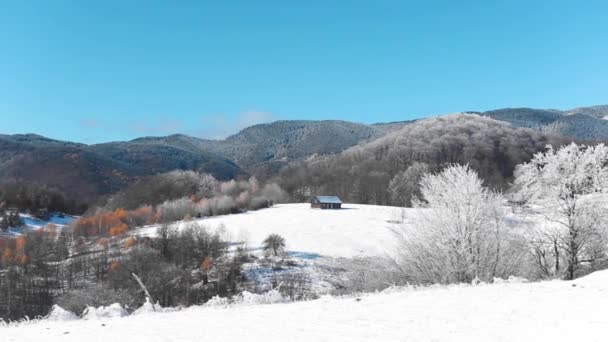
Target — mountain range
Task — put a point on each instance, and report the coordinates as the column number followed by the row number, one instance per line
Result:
column 88, row 171
column 582, row 124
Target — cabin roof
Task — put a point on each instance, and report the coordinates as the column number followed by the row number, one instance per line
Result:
column 328, row 199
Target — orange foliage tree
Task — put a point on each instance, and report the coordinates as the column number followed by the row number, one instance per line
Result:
column 114, row 265
column 103, row 223
column 130, row 242
column 8, row 256
column 143, row 215
column 119, row 229
column 51, row 230
column 20, row 245
column 207, row 263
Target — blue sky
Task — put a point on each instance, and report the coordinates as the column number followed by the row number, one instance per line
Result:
column 94, row 71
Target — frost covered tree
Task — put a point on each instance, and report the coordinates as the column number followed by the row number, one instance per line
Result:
column 207, row 186
column 274, row 245
column 567, row 187
column 405, row 186
column 460, row 234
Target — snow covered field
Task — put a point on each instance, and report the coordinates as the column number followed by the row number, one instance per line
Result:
column 355, row 230
column 549, row 311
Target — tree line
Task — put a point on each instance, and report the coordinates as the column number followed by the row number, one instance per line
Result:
column 36, row 198
column 174, row 196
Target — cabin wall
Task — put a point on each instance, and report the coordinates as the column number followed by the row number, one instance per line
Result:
column 326, row 205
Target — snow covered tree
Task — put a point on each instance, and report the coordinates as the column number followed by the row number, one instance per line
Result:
column 207, row 186
column 406, row 184
column 274, row 245
column 460, row 234
column 567, row 187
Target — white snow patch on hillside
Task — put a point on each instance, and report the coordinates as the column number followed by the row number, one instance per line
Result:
column 59, row 220
column 31, row 222
column 355, row 230
column 547, row 311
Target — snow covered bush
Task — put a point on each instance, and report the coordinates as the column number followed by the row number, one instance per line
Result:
column 368, row 274
column 461, row 234
column 270, row 297
column 60, row 314
column 147, row 308
column 176, row 210
column 568, row 188
column 110, row 311
column 249, row 298
column 510, row 280
column 218, row 301
column 77, row 301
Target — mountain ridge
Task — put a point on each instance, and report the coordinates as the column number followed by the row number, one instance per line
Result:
column 88, row 171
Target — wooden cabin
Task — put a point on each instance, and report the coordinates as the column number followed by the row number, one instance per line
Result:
column 326, row 202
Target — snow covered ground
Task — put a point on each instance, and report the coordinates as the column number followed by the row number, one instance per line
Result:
column 60, row 220
column 548, row 311
column 31, row 222
column 317, row 240
column 355, row 230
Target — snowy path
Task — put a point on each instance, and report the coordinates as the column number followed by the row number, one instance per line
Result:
column 550, row 311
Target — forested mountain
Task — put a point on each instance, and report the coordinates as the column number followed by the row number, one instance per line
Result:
column 152, row 158
column 525, row 117
column 599, row 112
column 70, row 167
column 265, row 148
column 369, row 173
column 86, row 172
column 584, row 123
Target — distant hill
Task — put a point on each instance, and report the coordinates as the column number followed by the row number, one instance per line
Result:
column 85, row 172
column 599, row 112
column 584, row 123
column 265, row 148
column 148, row 158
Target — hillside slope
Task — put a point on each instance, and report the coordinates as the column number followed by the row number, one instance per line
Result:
column 548, row 311
column 584, row 123
column 150, row 159
column 363, row 173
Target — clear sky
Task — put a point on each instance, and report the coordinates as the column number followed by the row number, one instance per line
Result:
column 94, row 71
